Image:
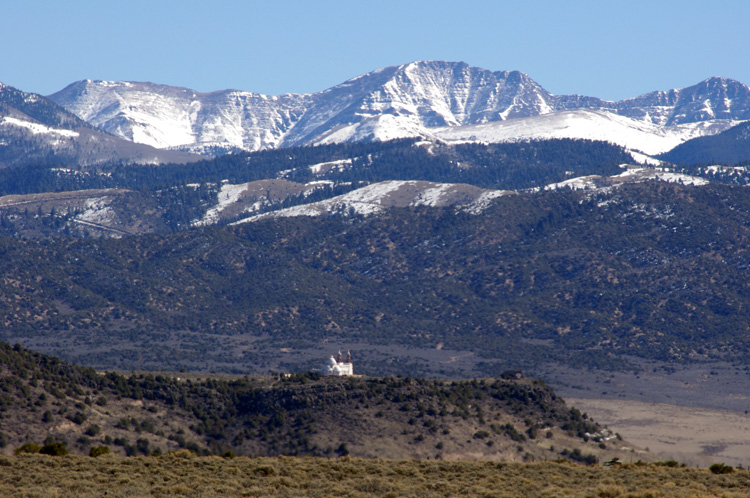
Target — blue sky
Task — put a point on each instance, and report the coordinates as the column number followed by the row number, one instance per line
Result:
column 611, row 50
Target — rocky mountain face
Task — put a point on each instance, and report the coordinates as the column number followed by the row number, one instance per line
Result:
column 407, row 100
column 394, row 102
column 35, row 130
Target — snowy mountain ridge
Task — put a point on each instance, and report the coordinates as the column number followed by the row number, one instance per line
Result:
column 34, row 130
column 423, row 98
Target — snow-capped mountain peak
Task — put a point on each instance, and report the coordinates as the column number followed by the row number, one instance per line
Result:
column 174, row 117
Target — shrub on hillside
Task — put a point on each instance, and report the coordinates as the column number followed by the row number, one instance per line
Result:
column 27, row 448
column 55, row 448
column 96, row 451
column 577, row 456
column 720, row 468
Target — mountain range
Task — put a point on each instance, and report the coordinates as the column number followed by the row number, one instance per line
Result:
column 450, row 101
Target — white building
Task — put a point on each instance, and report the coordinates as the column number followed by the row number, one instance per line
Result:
column 339, row 368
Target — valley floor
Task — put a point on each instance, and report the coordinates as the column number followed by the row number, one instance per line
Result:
column 184, row 475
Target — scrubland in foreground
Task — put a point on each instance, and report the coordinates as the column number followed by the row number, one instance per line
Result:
column 183, row 474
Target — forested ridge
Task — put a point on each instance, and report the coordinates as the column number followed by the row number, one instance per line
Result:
column 729, row 147
column 184, row 192
column 505, row 166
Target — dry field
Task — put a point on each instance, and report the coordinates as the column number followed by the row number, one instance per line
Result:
column 182, row 474
column 695, row 436
column 696, row 414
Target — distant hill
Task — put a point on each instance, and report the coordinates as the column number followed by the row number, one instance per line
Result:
column 729, row 147
column 47, row 400
column 81, row 213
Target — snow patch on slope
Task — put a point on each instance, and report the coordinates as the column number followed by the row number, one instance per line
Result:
column 579, row 183
column 484, row 201
column 98, row 211
column 37, row 128
column 327, row 167
column 432, row 196
column 642, row 136
column 640, row 174
column 228, row 195
column 378, row 197
column 632, row 174
column 378, row 128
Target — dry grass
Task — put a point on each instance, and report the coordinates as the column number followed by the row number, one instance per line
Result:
column 182, row 474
